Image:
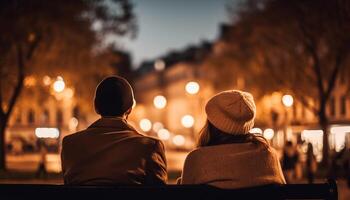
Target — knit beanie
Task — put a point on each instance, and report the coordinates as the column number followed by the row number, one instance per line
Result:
column 114, row 96
column 231, row 111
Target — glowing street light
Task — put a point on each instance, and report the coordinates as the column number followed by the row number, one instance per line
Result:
column 192, row 87
column 179, row 140
column 287, row 100
column 163, row 134
column 268, row 133
column 159, row 101
column 187, row 121
column 145, row 125
column 59, row 84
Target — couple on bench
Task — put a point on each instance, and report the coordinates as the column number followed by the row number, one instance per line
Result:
column 112, row 152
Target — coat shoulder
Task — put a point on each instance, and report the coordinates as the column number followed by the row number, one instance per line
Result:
column 150, row 141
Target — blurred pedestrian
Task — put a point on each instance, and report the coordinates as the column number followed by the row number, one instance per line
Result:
column 228, row 156
column 111, row 151
column 42, row 170
column 289, row 161
column 311, row 163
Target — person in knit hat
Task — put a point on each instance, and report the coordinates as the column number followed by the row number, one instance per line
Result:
column 110, row 151
column 228, row 156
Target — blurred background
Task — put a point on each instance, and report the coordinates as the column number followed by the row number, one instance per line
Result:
column 292, row 55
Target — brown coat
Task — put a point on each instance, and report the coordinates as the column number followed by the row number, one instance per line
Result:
column 112, row 152
column 232, row 166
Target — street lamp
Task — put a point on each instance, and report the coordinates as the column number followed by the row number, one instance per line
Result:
column 287, row 101
column 59, row 84
column 192, row 87
column 159, row 102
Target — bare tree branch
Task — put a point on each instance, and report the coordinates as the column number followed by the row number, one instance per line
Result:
column 20, row 79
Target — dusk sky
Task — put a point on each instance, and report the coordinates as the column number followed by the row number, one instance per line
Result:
column 165, row 25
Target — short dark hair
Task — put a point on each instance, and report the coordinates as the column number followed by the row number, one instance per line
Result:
column 113, row 97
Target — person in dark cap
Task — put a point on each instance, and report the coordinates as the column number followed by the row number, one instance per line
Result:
column 111, row 151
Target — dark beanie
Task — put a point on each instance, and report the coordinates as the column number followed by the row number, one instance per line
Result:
column 113, row 97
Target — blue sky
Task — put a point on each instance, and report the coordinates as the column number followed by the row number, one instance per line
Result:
column 165, row 25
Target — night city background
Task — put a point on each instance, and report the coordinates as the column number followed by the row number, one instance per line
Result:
column 292, row 55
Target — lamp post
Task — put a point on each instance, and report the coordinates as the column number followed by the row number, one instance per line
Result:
column 192, row 88
column 287, row 101
column 160, row 103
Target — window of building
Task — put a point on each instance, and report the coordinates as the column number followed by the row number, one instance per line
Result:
column 31, row 117
column 343, row 105
column 19, row 118
column 46, row 116
column 332, row 108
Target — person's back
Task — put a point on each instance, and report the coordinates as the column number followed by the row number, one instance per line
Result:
column 110, row 151
column 228, row 155
column 233, row 166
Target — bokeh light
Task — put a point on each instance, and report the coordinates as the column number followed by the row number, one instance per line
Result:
column 157, row 126
column 163, row 134
column 179, row 140
column 287, row 100
column 187, row 121
column 145, row 125
column 268, row 133
column 159, row 101
column 59, row 84
column 192, row 87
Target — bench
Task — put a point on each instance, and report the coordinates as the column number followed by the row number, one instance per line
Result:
column 327, row 190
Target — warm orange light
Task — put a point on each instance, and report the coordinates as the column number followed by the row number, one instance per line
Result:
column 47, row 132
column 145, row 125
column 287, row 100
column 59, row 84
column 159, row 101
column 163, row 134
column 192, row 87
column 179, row 140
column 187, row 121
column 268, row 133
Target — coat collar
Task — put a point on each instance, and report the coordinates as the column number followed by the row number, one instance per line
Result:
column 112, row 122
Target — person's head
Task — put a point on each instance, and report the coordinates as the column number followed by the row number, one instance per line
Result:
column 230, row 116
column 114, row 97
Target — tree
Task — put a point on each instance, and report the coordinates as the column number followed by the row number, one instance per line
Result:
column 47, row 36
column 297, row 46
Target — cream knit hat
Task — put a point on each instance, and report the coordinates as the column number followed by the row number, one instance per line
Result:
column 232, row 111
